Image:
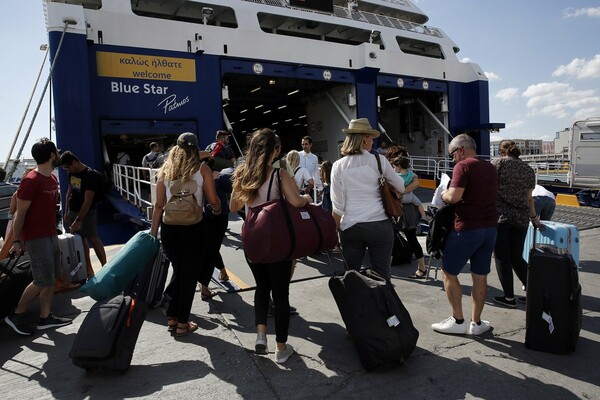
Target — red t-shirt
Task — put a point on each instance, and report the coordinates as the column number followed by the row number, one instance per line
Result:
column 42, row 191
column 477, row 209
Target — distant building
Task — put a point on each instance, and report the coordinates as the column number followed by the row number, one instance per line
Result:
column 562, row 141
column 548, row 147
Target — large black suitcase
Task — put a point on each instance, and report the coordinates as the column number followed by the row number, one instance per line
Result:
column 108, row 334
column 375, row 318
column 554, row 312
column 15, row 276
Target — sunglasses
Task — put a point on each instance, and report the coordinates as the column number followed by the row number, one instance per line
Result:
column 451, row 154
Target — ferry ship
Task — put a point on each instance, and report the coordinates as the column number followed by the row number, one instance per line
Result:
column 129, row 72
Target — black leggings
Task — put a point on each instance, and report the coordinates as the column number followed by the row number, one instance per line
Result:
column 216, row 227
column 411, row 238
column 508, row 254
column 274, row 278
column 182, row 245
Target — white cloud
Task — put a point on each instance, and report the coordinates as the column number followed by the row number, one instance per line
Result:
column 561, row 100
column 492, row 76
column 515, row 124
column 507, row 94
column 593, row 12
column 580, row 68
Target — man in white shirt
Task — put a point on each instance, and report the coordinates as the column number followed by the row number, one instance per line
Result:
column 545, row 202
column 310, row 161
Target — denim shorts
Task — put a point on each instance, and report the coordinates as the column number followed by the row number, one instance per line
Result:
column 45, row 260
column 475, row 245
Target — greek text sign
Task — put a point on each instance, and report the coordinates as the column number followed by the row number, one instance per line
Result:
column 136, row 66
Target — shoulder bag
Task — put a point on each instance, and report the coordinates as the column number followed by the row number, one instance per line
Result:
column 277, row 231
column 392, row 203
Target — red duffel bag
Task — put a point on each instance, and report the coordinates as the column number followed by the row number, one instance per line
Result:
column 277, row 231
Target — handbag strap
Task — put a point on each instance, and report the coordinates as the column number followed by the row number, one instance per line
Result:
column 381, row 177
column 275, row 170
column 286, row 213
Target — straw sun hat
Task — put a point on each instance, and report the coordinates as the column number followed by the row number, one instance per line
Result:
column 362, row 127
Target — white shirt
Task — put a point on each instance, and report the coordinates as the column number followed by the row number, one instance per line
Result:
column 355, row 188
column 311, row 163
column 301, row 176
column 542, row 191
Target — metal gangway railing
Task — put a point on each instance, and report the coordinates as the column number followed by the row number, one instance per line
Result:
column 137, row 185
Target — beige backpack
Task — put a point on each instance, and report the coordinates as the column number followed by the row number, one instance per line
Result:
column 182, row 208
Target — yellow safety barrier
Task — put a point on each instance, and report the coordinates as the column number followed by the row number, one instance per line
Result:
column 567, row 200
column 427, row 183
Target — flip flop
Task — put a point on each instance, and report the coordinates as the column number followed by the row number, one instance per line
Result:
column 418, row 274
column 208, row 296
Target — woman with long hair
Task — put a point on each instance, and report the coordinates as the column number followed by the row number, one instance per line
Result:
column 515, row 206
column 250, row 188
column 180, row 242
column 357, row 205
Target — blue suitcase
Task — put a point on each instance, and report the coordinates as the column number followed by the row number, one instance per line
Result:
column 563, row 237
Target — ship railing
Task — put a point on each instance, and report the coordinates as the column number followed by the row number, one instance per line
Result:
column 545, row 157
column 365, row 16
column 551, row 171
column 137, row 185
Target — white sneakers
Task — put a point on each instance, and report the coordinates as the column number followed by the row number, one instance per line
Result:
column 260, row 346
column 449, row 326
column 475, row 329
column 282, row 356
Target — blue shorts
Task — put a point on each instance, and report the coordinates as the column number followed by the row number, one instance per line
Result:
column 475, row 245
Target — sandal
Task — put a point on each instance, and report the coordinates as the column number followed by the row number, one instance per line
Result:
column 171, row 324
column 209, row 295
column 188, row 327
column 418, row 274
column 223, row 275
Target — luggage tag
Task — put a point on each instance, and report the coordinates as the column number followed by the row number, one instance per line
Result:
column 548, row 319
column 304, row 215
column 393, row 321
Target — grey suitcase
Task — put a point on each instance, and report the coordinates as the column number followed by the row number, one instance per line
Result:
column 73, row 257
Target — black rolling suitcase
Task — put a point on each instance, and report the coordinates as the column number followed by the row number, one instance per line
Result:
column 15, row 276
column 554, row 312
column 375, row 318
column 108, row 334
column 401, row 252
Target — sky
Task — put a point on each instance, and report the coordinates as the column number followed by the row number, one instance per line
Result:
column 542, row 58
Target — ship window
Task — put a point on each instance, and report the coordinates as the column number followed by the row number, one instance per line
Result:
column 316, row 30
column 420, row 47
column 595, row 136
column 186, row 11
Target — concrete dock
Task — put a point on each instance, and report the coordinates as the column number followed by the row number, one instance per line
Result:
column 217, row 361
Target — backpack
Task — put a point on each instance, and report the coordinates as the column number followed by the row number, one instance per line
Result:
column 439, row 228
column 182, row 208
